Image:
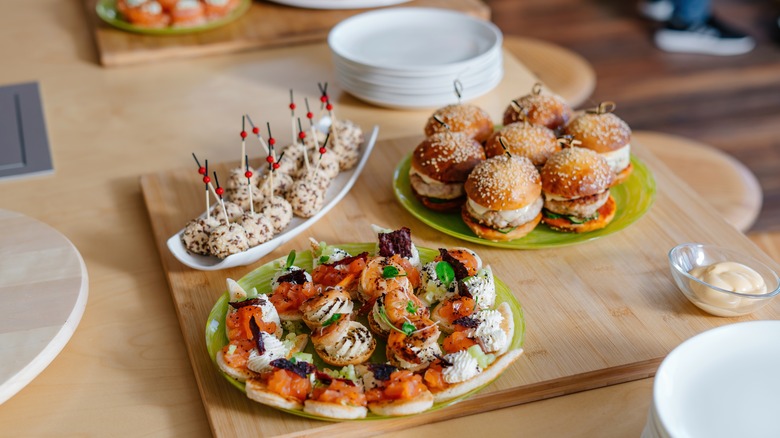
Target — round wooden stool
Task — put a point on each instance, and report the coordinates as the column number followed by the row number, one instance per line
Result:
column 44, row 287
column 566, row 73
column 723, row 181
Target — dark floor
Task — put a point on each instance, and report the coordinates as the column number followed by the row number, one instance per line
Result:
column 732, row 103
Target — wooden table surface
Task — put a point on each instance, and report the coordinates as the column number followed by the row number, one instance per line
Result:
column 126, row 372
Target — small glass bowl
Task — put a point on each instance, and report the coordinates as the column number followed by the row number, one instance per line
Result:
column 712, row 299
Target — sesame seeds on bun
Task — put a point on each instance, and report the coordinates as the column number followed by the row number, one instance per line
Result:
column 542, row 109
column 576, row 172
column 603, row 132
column 469, row 119
column 504, row 183
column 447, row 157
column 535, row 142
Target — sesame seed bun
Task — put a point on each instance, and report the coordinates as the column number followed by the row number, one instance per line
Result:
column 535, row 142
column 543, row 109
column 576, row 172
column 504, row 183
column 606, row 214
column 468, row 119
column 493, row 234
column 599, row 132
column 447, row 157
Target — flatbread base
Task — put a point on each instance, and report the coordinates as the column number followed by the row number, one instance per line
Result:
column 396, row 408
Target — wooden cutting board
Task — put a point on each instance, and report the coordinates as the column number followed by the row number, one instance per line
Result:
column 597, row 314
column 43, row 293
column 264, row 25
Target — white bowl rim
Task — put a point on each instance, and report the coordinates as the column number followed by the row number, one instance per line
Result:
column 671, row 358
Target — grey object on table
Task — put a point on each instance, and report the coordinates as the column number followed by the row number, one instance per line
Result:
column 24, row 145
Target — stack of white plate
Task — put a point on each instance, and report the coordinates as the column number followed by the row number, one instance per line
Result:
column 413, row 57
column 338, row 4
column 724, row 382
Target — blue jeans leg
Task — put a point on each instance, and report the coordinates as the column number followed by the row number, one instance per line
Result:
column 691, row 11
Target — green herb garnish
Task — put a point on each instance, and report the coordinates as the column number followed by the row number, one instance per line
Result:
column 408, row 328
column 324, row 259
column 551, row 215
column 445, row 273
column 572, row 219
column 391, row 272
column 506, row 230
column 290, row 260
column 410, row 307
column 383, row 317
column 335, row 317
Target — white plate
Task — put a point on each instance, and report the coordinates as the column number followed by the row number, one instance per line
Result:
column 338, row 4
column 724, row 382
column 446, row 88
column 421, row 101
column 338, row 189
column 415, row 39
column 417, row 72
column 470, row 73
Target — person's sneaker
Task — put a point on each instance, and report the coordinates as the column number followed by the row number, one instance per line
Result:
column 658, row 10
column 711, row 38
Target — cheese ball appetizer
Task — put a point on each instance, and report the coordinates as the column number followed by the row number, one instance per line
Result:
column 195, row 236
column 226, row 240
column 345, row 140
column 279, row 211
column 234, row 211
column 259, row 229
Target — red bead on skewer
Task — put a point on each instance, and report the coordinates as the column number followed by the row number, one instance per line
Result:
column 243, row 134
column 269, row 159
column 220, row 191
column 206, row 179
column 302, row 135
column 271, row 139
column 255, row 130
column 329, row 107
column 201, row 169
column 323, row 150
column 275, row 165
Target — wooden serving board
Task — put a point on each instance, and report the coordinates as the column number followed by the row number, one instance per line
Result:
column 597, row 314
column 264, row 25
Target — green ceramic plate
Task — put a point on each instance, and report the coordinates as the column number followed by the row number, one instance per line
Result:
column 106, row 10
column 261, row 279
column 634, row 198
